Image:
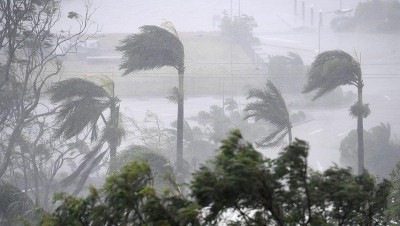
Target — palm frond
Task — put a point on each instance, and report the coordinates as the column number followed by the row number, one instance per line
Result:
column 187, row 131
column 295, row 59
column 86, row 162
column 152, row 48
column 82, row 103
column 106, row 83
column 331, row 69
column 74, row 116
column 75, row 88
column 15, row 203
column 87, row 170
column 230, row 104
column 274, row 139
column 168, row 25
column 361, row 110
column 269, row 106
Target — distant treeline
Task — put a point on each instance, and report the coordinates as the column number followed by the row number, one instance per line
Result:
column 371, row 16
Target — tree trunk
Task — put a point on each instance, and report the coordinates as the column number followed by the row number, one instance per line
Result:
column 290, row 134
column 113, row 154
column 360, row 131
column 179, row 137
column 10, row 149
column 113, row 143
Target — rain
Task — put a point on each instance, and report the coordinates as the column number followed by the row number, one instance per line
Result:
column 171, row 94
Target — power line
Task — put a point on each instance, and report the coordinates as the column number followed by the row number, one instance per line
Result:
column 247, row 63
column 220, row 75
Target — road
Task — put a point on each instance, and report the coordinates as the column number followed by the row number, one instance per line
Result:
column 325, row 130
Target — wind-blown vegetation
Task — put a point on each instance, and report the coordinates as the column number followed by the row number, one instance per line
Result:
column 335, row 68
column 82, row 107
column 269, row 105
column 155, row 47
column 62, row 127
column 252, row 189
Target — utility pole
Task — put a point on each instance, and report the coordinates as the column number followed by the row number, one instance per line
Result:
column 303, row 10
column 295, row 10
column 239, row 9
column 312, row 15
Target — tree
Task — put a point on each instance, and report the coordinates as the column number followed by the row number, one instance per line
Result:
column 381, row 153
column 270, row 106
column 37, row 161
column 238, row 184
column 393, row 210
column 155, row 47
column 127, row 198
column 162, row 170
column 82, row 106
column 252, row 190
column 290, row 65
column 377, row 16
column 34, row 54
column 16, row 206
column 239, row 28
column 287, row 72
column 332, row 69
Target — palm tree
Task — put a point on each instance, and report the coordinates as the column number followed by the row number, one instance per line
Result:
column 83, row 105
column 16, row 205
column 332, row 69
column 155, row 47
column 161, row 169
column 270, row 107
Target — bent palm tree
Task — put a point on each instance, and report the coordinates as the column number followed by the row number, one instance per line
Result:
column 155, row 47
column 83, row 104
column 270, row 107
column 334, row 68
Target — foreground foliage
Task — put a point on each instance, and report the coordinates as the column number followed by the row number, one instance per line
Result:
column 239, row 187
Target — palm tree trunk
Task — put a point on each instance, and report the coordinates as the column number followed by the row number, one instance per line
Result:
column 179, row 138
column 290, row 134
column 113, row 143
column 360, row 131
column 113, row 154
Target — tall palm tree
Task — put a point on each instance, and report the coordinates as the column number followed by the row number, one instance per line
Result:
column 83, row 107
column 334, row 68
column 155, row 47
column 270, row 107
